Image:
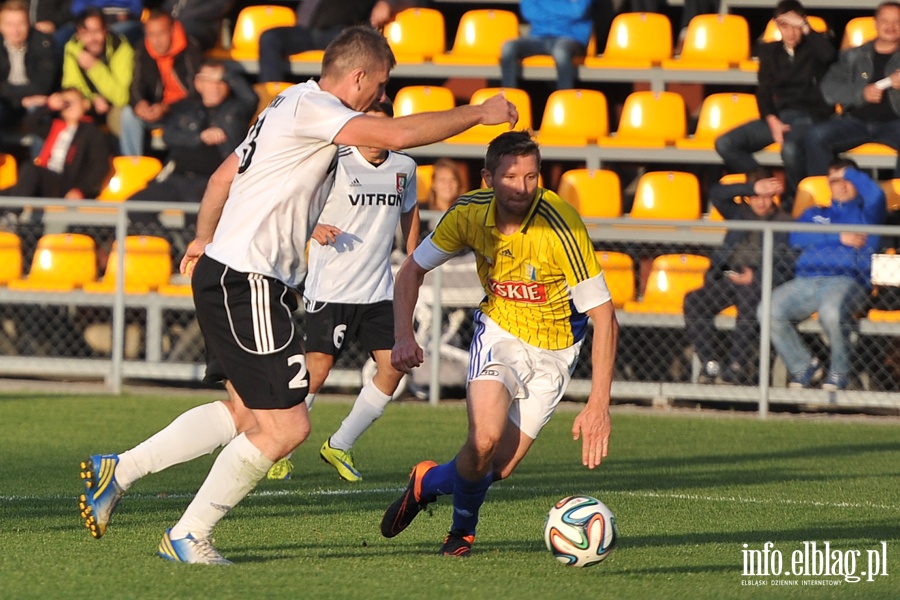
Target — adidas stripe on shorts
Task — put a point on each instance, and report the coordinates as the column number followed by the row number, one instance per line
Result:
column 251, row 338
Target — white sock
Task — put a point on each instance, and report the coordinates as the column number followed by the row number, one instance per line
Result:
column 237, row 470
column 367, row 407
column 194, row 433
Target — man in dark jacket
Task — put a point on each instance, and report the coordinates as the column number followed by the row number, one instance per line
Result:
column 788, row 96
column 832, row 277
column 164, row 69
column 28, row 66
column 201, row 19
column 866, row 83
column 200, row 132
column 735, row 277
column 319, row 22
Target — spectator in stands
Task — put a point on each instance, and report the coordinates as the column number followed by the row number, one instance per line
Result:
column 865, row 81
column 446, row 188
column 200, row 132
column 164, row 70
column 74, row 161
column 560, row 29
column 201, row 19
column 446, row 185
column 122, row 17
column 789, row 98
column 28, row 64
column 735, row 277
column 50, row 15
column 99, row 65
column 318, row 23
column 831, row 277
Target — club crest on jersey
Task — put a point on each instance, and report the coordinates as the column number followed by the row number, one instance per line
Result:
column 401, row 182
column 519, row 291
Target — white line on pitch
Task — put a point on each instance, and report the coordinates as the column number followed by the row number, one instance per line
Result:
column 498, row 489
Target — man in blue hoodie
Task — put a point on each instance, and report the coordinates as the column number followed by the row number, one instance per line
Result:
column 560, row 28
column 831, row 277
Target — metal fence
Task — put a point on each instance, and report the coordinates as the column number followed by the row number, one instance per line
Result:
column 115, row 330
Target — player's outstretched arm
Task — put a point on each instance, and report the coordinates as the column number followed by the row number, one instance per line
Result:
column 425, row 128
column 592, row 424
column 210, row 211
column 407, row 354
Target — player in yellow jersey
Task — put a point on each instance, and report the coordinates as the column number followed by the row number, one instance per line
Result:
column 542, row 282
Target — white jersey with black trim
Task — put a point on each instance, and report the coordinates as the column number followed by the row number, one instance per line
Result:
column 365, row 204
column 285, row 160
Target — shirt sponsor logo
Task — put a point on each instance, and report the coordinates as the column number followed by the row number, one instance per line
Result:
column 375, row 199
column 519, row 291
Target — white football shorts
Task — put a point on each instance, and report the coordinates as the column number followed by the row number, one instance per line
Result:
column 535, row 377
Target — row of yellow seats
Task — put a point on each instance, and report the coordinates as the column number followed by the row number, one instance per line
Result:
column 636, row 40
column 130, row 175
column 671, row 278
column 596, row 193
column 64, row 262
column 579, row 117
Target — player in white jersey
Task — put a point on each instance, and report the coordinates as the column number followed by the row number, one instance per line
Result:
column 254, row 222
column 349, row 288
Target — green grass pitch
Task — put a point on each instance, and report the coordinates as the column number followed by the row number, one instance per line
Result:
column 688, row 492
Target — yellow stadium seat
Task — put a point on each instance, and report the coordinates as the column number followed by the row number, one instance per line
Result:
column 481, row 35
column 858, row 31
column 10, row 257
column 873, row 148
column 649, row 120
column 414, row 99
column 131, row 174
column 179, row 290
column 249, row 25
column 773, row 34
column 713, row 42
column 545, row 60
column 416, row 35
column 618, row 271
column 667, row 195
column 9, row 171
column 148, row 265
column 811, row 191
column 671, row 277
column 593, row 193
column 62, row 262
column 424, row 175
column 482, row 134
column 573, row 118
column 883, row 316
column 719, row 114
column 891, row 189
column 266, row 92
column 636, row 40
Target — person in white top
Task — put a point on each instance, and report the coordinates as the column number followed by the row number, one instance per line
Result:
column 349, row 288
column 255, row 219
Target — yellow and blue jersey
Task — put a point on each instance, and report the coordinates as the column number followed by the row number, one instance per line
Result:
column 527, row 276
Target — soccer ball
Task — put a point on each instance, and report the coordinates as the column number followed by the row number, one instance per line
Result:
column 580, row 531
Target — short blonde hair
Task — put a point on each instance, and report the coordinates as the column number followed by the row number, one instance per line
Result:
column 358, row 47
